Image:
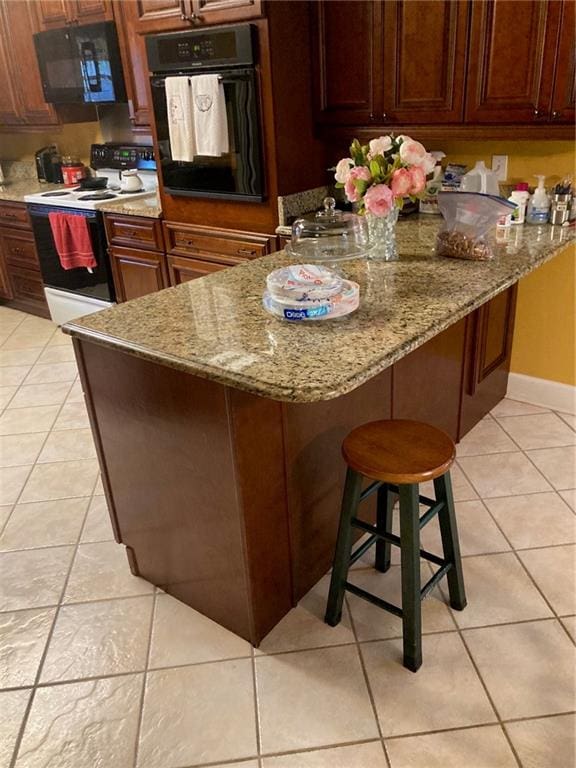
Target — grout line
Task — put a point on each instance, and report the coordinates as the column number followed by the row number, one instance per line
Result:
column 256, row 706
column 145, row 678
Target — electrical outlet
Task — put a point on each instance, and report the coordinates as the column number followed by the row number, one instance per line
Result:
column 500, row 166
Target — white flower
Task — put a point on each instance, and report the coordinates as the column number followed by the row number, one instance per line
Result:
column 428, row 164
column 380, row 145
column 412, row 152
column 343, row 169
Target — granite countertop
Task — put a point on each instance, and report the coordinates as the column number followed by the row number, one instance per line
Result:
column 14, row 191
column 215, row 326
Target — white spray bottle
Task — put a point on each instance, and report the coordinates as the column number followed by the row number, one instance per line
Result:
column 539, row 204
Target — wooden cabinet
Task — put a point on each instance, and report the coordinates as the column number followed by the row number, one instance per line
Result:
column 564, row 91
column 136, row 272
column 182, row 269
column 488, row 348
column 20, row 279
column 59, row 13
column 227, row 246
column 21, row 96
column 135, row 232
column 134, row 63
column 159, row 15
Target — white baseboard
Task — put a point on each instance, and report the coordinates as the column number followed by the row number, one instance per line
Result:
column 550, row 394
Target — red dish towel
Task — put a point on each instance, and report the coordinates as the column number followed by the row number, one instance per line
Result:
column 72, row 239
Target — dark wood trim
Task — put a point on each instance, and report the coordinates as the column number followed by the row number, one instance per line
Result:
column 445, row 132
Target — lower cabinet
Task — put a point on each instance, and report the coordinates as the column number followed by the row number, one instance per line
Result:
column 137, row 272
column 181, row 269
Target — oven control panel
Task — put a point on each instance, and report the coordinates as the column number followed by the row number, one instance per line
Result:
column 122, row 156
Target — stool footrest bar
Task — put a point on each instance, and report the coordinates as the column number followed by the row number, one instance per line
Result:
column 373, row 599
column 429, row 514
column 372, row 488
column 357, row 554
column 431, row 583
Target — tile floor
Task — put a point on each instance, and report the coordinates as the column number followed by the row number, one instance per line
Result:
column 100, row 670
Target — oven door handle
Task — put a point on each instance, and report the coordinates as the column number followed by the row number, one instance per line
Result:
column 159, row 81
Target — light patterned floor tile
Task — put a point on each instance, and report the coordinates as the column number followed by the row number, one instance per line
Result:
column 6, row 395
column 61, row 480
column 409, row 703
column 570, row 623
column 59, row 354
column 217, row 723
column 542, row 430
column 44, row 524
column 101, row 571
column 313, row 698
column 569, row 497
column 554, row 571
column 45, row 571
column 16, row 450
column 87, row 724
column 72, row 416
column 76, row 395
column 13, row 375
column 26, row 340
column 498, row 591
column 508, row 407
column 528, row 668
column 181, row 635
column 59, row 339
column 18, row 421
column 461, row 488
column 558, row 465
column 5, row 514
column 477, row 532
column 372, row 623
column 304, row 626
column 23, row 636
column 13, row 706
column 367, row 755
column 97, row 526
column 98, row 639
column 19, row 356
column 41, row 394
column 486, row 437
column 548, row 742
column 569, row 418
column 12, row 480
column 505, row 474
column 67, row 445
column 46, row 373
column 537, row 520
column 485, row 747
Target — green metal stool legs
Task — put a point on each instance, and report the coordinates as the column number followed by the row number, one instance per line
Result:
column 411, row 601
column 384, row 511
column 450, row 544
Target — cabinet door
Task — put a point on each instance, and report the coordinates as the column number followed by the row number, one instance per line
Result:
column 53, row 13
column 563, row 96
column 224, row 11
column 159, row 15
column 489, row 333
column 22, row 23
column 91, row 11
column 134, row 63
column 346, row 47
column 511, row 62
column 137, row 273
column 181, row 269
column 9, row 103
column 5, row 289
column 417, row 33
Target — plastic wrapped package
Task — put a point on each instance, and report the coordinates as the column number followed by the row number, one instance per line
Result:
column 468, row 216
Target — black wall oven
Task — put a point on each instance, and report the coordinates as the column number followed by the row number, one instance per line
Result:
column 228, row 52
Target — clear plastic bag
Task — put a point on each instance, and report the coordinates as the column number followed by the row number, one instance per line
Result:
column 468, row 216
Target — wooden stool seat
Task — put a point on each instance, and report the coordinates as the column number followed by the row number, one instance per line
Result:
column 399, row 451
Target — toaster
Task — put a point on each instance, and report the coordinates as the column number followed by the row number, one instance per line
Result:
column 48, row 165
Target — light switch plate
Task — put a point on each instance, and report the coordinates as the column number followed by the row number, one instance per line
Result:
column 500, row 166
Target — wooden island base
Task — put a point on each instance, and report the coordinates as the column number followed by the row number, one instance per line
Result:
column 230, row 501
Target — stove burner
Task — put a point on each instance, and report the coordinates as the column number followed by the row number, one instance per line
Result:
column 98, row 196
column 131, row 191
column 55, row 194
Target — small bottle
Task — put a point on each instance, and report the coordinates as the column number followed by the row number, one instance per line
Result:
column 519, row 197
column 538, row 210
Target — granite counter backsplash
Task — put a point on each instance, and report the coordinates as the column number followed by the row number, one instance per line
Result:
column 216, row 327
column 15, row 191
column 142, row 206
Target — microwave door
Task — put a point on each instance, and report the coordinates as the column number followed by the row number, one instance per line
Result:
column 90, row 67
column 58, row 64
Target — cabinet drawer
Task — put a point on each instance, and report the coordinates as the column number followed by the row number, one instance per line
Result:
column 14, row 215
column 137, row 272
column 19, row 249
column 193, row 241
column 135, row 231
column 26, row 284
column 182, row 269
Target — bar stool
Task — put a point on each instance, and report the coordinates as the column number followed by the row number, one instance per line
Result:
column 398, row 455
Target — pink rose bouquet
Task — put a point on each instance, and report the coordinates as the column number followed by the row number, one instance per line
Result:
column 382, row 174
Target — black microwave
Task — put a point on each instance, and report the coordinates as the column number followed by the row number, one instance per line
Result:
column 81, row 65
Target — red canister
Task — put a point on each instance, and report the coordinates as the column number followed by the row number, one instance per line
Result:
column 72, row 171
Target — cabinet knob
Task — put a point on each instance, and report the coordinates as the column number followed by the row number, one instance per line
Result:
column 384, row 116
column 556, row 115
column 193, row 18
column 246, row 252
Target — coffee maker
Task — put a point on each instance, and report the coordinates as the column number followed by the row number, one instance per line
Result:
column 49, row 165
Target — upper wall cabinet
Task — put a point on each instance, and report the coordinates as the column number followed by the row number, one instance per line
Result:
column 21, row 96
column 159, row 15
column 59, row 13
column 564, row 91
column 375, row 65
column 512, row 61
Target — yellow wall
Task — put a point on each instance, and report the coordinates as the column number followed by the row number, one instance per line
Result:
column 544, row 337
column 71, row 138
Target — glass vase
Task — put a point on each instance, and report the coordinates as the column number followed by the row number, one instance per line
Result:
column 382, row 231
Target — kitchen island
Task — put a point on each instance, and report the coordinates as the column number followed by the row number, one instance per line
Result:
column 218, row 428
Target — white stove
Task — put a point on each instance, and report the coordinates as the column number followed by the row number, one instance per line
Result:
column 92, row 199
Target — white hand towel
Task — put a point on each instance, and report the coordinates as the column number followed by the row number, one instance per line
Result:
column 180, row 119
column 210, row 119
